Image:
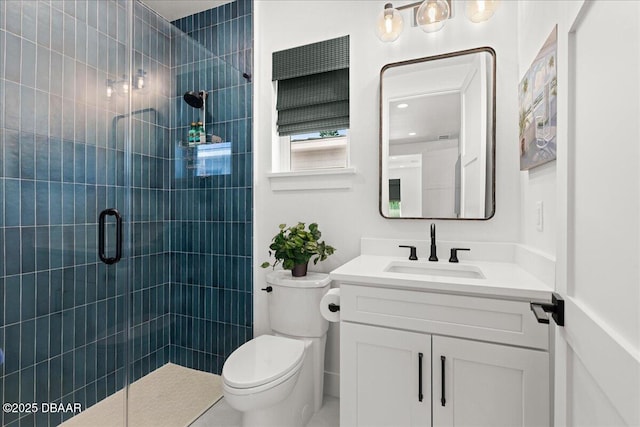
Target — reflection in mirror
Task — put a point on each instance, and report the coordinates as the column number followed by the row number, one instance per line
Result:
column 437, row 144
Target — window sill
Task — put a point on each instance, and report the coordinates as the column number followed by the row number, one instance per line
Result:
column 321, row 179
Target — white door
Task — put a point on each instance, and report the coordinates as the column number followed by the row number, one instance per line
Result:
column 490, row 385
column 439, row 182
column 598, row 351
column 380, row 380
column 473, row 141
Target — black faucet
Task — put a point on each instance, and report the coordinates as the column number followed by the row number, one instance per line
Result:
column 433, row 256
column 454, row 254
column 412, row 255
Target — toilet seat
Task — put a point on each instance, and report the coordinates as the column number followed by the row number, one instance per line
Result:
column 263, row 361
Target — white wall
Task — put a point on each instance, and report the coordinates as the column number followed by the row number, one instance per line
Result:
column 536, row 19
column 439, row 179
column 345, row 216
column 597, row 369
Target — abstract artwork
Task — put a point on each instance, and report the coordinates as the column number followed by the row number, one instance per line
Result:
column 537, row 95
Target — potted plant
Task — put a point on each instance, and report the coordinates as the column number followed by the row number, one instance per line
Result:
column 295, row 246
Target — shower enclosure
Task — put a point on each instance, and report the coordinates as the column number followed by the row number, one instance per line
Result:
column 123, row 247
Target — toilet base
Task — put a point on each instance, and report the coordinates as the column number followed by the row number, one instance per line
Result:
column 294, row 411
column 301, row 401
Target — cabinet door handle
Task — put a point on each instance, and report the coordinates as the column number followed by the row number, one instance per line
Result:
column 443, row 401
column 420, row 395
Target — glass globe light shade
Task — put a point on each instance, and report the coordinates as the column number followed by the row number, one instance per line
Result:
column 389, row 24
column 432, row 14
column 110, row 90
column 480, row 10
column 140, row 81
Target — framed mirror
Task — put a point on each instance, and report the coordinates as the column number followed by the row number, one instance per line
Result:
column 437, row 136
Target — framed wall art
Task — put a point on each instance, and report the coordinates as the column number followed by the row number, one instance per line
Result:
column 538, row 107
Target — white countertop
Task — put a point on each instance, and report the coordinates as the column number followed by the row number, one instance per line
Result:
column 502, row 279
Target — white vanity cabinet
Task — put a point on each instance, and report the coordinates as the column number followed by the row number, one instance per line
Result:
column 396, row 342
column 489, row 384
column 380, row 377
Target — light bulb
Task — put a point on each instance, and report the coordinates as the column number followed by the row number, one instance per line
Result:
column 109, row 84
column 123, row 85
column 139, row 79
column 389, row 24
column 432, row 14
column 481, row 10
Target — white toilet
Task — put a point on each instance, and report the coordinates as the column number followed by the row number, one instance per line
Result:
column 277, row 380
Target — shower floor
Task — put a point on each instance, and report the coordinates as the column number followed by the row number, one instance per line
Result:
column 171, row 396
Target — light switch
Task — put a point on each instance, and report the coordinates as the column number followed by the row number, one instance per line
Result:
column 539, row 216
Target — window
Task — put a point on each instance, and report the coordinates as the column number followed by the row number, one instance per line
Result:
column 317, row 150
column 394, row 198
column 312, row 87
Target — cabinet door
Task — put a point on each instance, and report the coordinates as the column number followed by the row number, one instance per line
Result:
column 380, row 383
column 489, row 384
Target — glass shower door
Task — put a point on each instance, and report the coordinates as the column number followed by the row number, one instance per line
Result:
column 123, row 248
column 64, row 72
column 190, row 214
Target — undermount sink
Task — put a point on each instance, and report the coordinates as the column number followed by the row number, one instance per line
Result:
column 423, row 269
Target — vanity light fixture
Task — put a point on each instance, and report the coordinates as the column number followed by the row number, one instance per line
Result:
column 110, row 89
column 429, row 15
column 481, row 10
column 389, row 24
column 432, row 14
column 122, row 86
column 140, row 80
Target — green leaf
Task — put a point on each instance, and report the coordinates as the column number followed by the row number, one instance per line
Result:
column 297, row 245
column 265, row 264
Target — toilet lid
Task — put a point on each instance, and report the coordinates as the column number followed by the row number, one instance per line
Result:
column 311, row 280
column 262, row 360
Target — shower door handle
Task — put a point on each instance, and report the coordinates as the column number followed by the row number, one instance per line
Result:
column 101, row 230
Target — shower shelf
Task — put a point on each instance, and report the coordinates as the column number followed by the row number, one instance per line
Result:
column 211, row 158
column 211, row 140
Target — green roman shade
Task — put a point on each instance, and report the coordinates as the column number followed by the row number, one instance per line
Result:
column 313, row 87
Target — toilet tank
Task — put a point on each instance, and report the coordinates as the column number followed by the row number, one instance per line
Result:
column 294, row 303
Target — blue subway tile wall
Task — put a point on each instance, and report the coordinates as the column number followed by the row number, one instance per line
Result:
column 62, row 161
column 211, row 245
column 150, row 195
